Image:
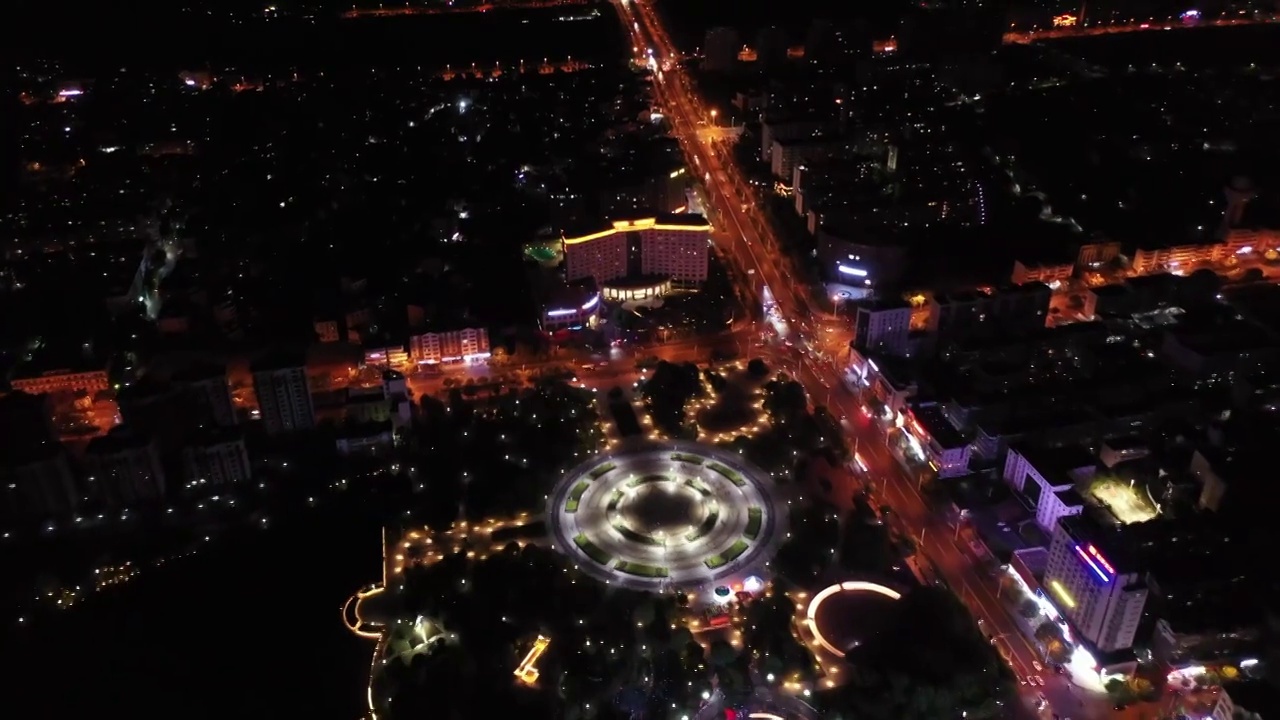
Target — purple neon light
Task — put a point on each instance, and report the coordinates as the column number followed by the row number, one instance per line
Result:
column 561, row 313
column 591, row 303
column 1092, row 565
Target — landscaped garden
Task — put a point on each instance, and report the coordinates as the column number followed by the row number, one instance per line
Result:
column 728, row 474
column 575, row 496
column 755, row 519
column 640, row 569
column 733, row 552
column 591, row 550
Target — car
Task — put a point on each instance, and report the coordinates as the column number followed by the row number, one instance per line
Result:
column 1036, row 664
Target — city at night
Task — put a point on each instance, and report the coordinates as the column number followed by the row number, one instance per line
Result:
column 641, row 360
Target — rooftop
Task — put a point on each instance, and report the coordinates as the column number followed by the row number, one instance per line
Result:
column 934, row 422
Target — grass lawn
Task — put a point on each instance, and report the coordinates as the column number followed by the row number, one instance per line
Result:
column 651, row 571
column 575, row 496
column 634, row 536
column 728, row 474
column 591, row 550
column 595, row 474
column 732, row 553
column 755, row 518
column 691, row 459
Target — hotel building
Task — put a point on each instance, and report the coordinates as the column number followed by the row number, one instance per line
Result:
column 1094, row 584
column 673, row 246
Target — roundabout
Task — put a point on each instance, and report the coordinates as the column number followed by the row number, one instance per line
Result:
column 667, row 515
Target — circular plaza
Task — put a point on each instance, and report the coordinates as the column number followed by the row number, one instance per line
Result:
column 669, row 515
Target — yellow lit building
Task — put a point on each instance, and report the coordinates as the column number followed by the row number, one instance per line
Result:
column 674, row 246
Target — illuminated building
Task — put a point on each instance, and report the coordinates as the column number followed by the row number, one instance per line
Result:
column 87, row 380
column 858, row 259
column 673, row 246
column 1046, row 273
column 573, row 307
column 1091, row 580
column 883, row 328
column 938, row 440
column 1046, row 478
column 284, row 394
column 1176, row 259
column 465, row 345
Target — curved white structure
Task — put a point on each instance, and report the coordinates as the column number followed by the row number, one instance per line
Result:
column 811, row 615
column 671, row 508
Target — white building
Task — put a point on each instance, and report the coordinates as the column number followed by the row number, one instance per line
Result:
column 214, row 462
column 284, row 395
column 1091, row 584
column 1045, row 479
column 883, row 328
column 465, row 345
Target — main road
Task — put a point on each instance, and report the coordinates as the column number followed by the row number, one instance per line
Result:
column 763, row 265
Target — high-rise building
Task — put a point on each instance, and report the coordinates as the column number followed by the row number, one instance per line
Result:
column 720, row 49
column 214, row 460
column 1095, row 582
column 36, row 480
column 673, row 246
column 122, row 469
column 207, row 388
column 284, row 395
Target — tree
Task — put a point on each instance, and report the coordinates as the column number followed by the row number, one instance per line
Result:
column 721, row 653
column 757, row 368
column 1029, row 609
column 930, row 660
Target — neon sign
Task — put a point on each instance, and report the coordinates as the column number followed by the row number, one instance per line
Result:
column 1093, row 565
column 1093, row 552
column 856, row 272
column 1065, row 20
column 561, row 313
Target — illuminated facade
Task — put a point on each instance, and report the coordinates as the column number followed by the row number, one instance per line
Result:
column 65, row 380
column 671, row 246
column 572, row 308
column 1088, row 583
column 467, row 345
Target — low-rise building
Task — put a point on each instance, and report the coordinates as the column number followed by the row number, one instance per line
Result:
column 467, row 345
column 944, row 446
column 571, row 307
column 883, row 327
